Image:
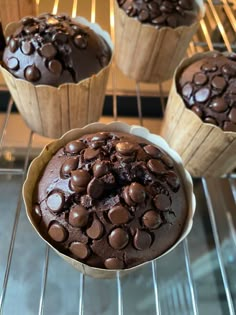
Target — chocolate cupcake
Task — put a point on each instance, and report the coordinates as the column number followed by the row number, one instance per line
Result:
column 109, row 200
column 152, row 36
column 63, row 66
column 203, row 93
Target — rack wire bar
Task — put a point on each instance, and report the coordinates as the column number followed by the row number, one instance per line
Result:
column 119, row 294
column 139, row 104
column 154, row 277
column 44, row 281
column 218, row 248
column 5, row 122
column 81, row 294
column 14, row 230
column 190, row 277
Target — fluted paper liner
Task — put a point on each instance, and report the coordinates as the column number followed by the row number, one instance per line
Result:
column 206, row 149
column 51, row 111
column 39, row 163
column 147, row 54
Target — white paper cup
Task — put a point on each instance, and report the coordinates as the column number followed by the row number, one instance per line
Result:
column 51, row 111
column 147, row 54
column 39, row 163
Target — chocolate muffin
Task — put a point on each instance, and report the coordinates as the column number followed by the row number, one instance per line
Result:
column 54, row 49
column 110, row 200
column 208, row 88
column 160, row 13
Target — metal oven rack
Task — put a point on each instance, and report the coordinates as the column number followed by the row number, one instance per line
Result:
column 198, row 277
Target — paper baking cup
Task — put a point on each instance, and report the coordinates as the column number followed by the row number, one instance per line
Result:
column 14, row 10
column 147, row 54
column 206, row 149
column 51, row 111
column 39, row 163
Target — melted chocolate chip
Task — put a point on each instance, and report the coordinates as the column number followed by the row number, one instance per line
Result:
column 13, row 44
column 58, row 232
column 79, row 249
column 232, row 115
column 80, row 178
column 118, row 215
column 200, row 78
column 90, row 154
column 126, row 148
column 156, row 166
column 81, row 41
column 142, row 240
column 162, row 202
column 78, row 216
column 100, row 168
column 69, row 165
column 118, row 239
column 202, row 95
column 13, row 63
column 114, row 263
column 137, row 192
column 37, row 214
column 48, row 51
column 152, row 219
column 95, row 231
column 95, row 188
column 152, row 151
column 218, row 105
column 55, row 67
column 74, row 147
column 27, row 48
column 56, row 201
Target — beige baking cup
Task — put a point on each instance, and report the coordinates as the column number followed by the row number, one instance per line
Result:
column 147, row 54
column 39, row 163
column 51, row 111
column 206, row 149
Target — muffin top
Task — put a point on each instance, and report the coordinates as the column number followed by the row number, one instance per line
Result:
column 208, row 88
column 54, row 49
column 160, row 13
column 111, row 200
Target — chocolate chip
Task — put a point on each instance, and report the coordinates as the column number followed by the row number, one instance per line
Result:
column 218, row 105
column 142, row 240
column 52, row 21
column 78, row 216
column 13, row 63
column 162, row 202
column 185, row 4
column 80, row 178
column 210, row 120
column 79, row 249
column 58, row 232
column 126, row 148
column 56, row 201
column 172, row 20
column 159, row 20
column 95, row 231
column 172, row 180
column 127, row 198
column 202, row 95
column 90, row 154
column 156, row 166
column 118, row 215
column 131, row 11
column 13, row 44
column 228, row 70
column 152, row 219
column 28, row 20
column 166, row 7
column 143, row 15
column 218, row 83
column 27, row 48
column 152, row 151
column 114, row 263
column 232, row 115
column 137, row 192
column 31, row 29
column 118, row 239
column 55, row 67
column 167, row 160
column 187, row 90
column 32, row 73
column 95, row 188
column 209, row 67
column 74, row 147
column 60, row 37
column 196, row 109
column 8, row 40
column 200, row 78
column 69, row 165
column 81, row 41
column 100, row 136
column 229, row 126
column 37, row 214
column 100, row 168
column 48, row 51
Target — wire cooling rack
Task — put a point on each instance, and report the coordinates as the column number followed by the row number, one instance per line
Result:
column 198, row 277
